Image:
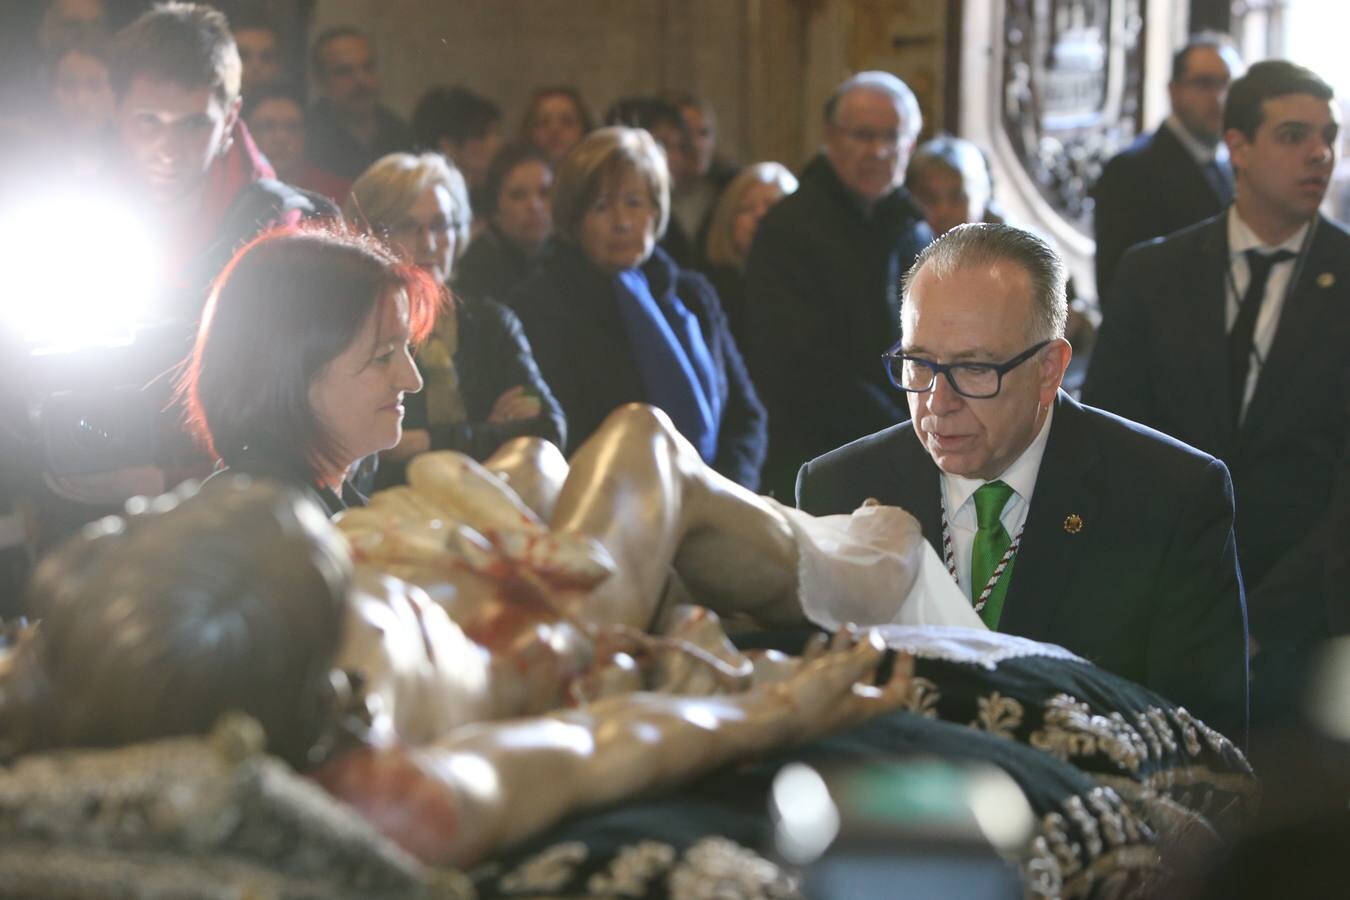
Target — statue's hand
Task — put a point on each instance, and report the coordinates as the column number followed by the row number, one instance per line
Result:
column 836, row 688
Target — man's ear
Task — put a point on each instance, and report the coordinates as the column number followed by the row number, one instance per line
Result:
column 231, row 119
column 1054, row 361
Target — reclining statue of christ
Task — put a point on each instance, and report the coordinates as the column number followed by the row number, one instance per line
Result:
column 400, row 682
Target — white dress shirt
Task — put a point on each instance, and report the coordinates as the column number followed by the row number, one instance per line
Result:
column 959, row 495
column 1241, row 239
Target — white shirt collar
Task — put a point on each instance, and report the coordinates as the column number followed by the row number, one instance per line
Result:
column 1020, row 476
column 1241, row 238
column 1202, row 154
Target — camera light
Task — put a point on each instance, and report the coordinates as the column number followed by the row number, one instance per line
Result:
column 81, row 270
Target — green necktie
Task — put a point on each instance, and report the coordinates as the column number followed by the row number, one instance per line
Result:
column 991, row 542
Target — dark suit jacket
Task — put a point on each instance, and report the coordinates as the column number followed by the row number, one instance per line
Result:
column 1161, row 359
column 1148, row 588
column 822, row 288
column 1150, row 189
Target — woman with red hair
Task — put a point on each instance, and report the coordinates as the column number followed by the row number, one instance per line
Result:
column 304, row 355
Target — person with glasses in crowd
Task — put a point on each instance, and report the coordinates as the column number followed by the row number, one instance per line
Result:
column 822, row 277
column 483, row 387
column 1177, row 175
column 1060, row 522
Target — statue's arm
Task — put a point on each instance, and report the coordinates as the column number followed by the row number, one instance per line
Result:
column 491, row 784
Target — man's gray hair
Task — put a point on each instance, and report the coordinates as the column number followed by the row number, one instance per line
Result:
column 911, row 120
column 967, row 246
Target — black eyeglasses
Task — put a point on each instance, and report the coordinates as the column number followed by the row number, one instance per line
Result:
column 979, row 381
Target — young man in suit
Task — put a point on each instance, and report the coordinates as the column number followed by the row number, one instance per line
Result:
column 1179, row 174
column 1061, row 522
column 1232, row 336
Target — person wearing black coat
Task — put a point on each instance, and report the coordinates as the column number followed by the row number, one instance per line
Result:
column 492, row 357
column 482, row 386
column 823, row 279
column 519, row 218
column 1272, row 400
column 1175, row 176
column 611, row 317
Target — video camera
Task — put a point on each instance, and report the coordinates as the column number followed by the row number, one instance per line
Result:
column 89, row 343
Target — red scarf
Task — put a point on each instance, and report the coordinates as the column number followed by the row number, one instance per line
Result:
column 235, row 169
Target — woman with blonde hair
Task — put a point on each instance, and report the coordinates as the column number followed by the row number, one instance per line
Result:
column 732, row 229
column 614, row 320
column 483, row 387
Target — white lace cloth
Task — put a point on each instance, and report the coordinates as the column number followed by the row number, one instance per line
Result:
column 873, row 567
column 980, row 647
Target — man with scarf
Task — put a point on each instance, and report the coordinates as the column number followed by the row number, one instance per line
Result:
column 193, row 172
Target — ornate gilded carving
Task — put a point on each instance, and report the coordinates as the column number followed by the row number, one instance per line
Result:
column 1072, row 76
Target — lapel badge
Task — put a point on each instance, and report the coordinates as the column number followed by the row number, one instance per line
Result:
column 1326, row 280
column 1073, row 523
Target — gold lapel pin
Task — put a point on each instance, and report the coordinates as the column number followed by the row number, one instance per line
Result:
column 1073, row 523
column 1326, row 280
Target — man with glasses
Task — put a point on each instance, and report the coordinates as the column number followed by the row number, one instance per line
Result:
column 1059, row 522
column 1232, row 336
column 1180, row 173
column 822, row 276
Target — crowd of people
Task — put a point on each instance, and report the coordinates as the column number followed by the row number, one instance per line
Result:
column 824, row 338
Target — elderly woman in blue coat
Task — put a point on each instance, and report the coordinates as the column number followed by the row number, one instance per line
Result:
column 612, row 319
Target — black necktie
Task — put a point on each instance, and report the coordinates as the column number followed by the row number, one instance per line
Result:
column 1240, row 338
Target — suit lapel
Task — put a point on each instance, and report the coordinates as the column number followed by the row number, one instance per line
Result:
column 1303, row 312
column 1067, row 485
column 916, row 485
column 1204, row 305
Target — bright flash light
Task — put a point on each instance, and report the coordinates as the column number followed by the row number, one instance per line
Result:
column 80, row 271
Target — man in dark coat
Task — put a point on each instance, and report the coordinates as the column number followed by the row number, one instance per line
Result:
column 1177, row 175
column 1232, row 336
column 823, row 275
column 1061, row 522
column 348, row 128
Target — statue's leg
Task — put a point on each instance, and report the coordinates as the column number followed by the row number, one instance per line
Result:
column 642, row 490
column 534, row 468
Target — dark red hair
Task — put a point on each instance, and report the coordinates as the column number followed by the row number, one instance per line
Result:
column 283, row 308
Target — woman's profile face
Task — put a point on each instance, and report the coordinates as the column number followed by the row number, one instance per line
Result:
column 619, row 229
column 524, row 213
column 358, row 397
column 755, row 202
column 555, row 126
column 427, row 231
